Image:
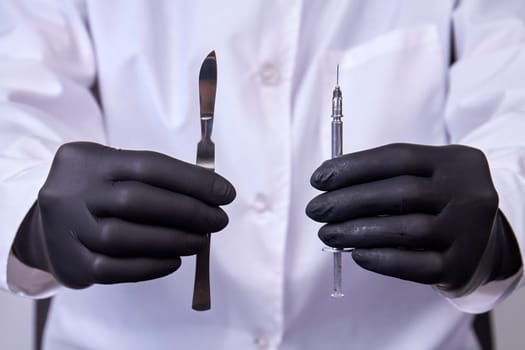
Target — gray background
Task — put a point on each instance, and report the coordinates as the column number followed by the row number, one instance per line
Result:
column 16, row 320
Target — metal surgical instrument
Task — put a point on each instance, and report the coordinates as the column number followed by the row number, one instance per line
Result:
column 206, row 159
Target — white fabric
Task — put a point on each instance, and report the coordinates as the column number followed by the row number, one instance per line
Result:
column 24, row 280
column 276, row 70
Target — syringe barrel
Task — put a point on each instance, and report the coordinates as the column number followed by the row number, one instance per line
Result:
column 337, row 137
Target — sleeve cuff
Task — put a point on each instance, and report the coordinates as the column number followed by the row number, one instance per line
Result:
column 17, row 195
column 486, row 297
column 30, row 282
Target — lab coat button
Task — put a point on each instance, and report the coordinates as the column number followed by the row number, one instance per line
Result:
column 260, row 203
column 262, row 342
column 269, row 74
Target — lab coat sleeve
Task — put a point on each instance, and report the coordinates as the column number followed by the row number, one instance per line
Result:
column 486, row 109
column 47, row 67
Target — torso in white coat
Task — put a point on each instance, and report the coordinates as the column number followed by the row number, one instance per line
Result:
column 277, row 62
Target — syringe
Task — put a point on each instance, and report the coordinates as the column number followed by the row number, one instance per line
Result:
column 337, row 151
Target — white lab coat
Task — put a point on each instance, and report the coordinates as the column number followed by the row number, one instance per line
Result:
column 276, row 70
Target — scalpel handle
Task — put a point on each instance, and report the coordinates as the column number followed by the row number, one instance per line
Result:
column 201, row 289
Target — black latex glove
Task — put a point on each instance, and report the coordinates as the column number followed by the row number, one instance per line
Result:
column 420, row 213
column 109, row 216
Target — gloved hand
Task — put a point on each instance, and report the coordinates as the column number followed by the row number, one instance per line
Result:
column 419, row 213
column 109, row 216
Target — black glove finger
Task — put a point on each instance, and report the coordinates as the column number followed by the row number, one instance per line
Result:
column 395, row 196
column 118, row 238
column 372, row 165
column 419, row 266
column 172, row 174
column 142, row 203
column 410, row 231
column 109, row 270
column 70, row 260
